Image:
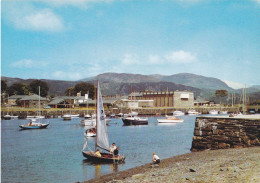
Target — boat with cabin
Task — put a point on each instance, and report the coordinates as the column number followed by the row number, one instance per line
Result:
column 193, row 112
column 213, row 112
column 170, row 119
column 178, row 113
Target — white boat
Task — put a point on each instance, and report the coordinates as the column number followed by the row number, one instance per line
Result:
column 33, row 124
column 193, row 112
column 7, row 117
column 92, row 122
column 90, row 132
column 178, row 113
column 88, row 122
column 87, row 116
column 170, row 119
column 66, row 117
column 102, row 140
column 133, row 113
column 35, row 117
column 213, row 112
column 223, row 112
column 74, row 115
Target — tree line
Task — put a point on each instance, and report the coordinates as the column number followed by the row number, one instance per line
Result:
column 33, row 88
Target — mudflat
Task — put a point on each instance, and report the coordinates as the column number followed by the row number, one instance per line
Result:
column 225, row 166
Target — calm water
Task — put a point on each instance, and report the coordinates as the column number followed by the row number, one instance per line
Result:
column 54, row 154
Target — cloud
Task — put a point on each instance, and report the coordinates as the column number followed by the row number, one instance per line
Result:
column 174, row 57
column 154, row 59
column 180, row 57
column 67, row 75
column 258, row 1
column 27, row 17
column 129, row 59
column 27, row 63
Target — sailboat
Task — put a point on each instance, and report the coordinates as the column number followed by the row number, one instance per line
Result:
column 132, row 118
column 102, row 140
column 33, row 124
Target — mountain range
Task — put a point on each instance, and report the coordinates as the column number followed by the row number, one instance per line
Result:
column 121, row 83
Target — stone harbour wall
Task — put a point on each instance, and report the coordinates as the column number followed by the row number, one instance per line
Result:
column 225, row 132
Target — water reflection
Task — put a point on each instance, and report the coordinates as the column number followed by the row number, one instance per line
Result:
column 114, row 167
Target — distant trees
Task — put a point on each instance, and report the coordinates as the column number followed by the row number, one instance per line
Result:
column 34, row 86
column 3, row 86
column 25, row 89
column 221, row 93
column 17, row 89
column 83, row 88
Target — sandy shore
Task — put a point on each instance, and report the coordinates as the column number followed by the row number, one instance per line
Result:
column 225, row 166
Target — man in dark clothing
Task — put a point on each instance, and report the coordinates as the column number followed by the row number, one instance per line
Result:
column 116, row 152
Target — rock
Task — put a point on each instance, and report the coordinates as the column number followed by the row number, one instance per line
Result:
column 192, row 170
column 221, row 169
column 136, row 176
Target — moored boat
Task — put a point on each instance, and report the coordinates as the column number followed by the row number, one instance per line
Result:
column 135, row 120
column 213, row 112
column 7, row 117
column 193, row 112
column 169, row 119
column 92, row 132
column 178, row 113
column 223, row 112
column 66, row 117
column 33, row 124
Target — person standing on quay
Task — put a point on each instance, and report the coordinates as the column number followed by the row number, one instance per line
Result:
column 156, row 159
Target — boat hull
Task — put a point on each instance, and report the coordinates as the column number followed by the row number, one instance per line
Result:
column 129, row 122
column 106, row 158
column 7, row 117
column 170, row 120
column 27, row 127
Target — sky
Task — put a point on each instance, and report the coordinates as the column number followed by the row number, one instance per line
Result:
column 76, row 39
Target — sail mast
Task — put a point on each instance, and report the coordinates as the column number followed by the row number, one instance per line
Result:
column 96, row 115
column 39, row 100
column 131, row 99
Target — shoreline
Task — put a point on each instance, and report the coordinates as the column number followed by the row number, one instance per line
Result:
column 223, row 165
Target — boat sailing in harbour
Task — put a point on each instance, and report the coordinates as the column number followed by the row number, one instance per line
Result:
column 35, row 122
column 102, row 140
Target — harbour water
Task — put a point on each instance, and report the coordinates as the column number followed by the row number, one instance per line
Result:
column 54, row 154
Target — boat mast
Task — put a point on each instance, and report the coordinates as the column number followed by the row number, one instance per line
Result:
column 39, row 100
column 131, row 100
column 96, row 115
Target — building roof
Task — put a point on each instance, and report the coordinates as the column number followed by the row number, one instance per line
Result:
column 56, row 101
column 33, row 97
column 17, row 96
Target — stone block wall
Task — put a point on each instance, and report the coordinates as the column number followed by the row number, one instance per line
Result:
column 225, row 132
